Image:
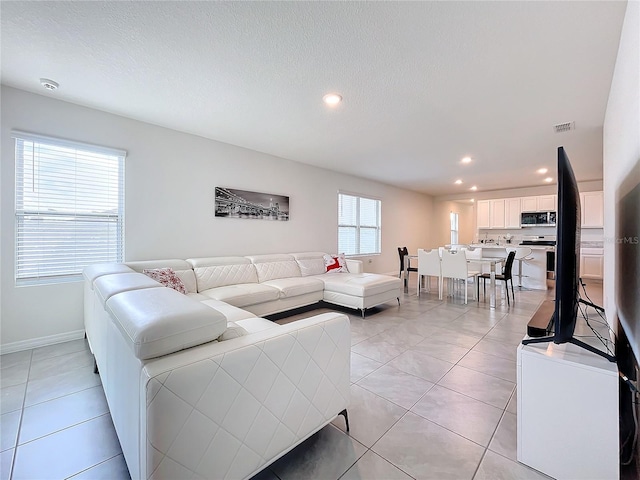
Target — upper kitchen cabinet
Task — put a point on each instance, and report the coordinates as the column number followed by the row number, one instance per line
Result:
column 512, row 211
column 541, row 203
column 592, row 209
column 483, row 208
column 496, row 213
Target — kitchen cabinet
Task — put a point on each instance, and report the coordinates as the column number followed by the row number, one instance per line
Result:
column 512, row 213
column 540, row 203
column 496, row 213
column 482, row 214
column 547, row 203
column 592, row 263
column 592, row 209
column 529, row 204
column 490, row 213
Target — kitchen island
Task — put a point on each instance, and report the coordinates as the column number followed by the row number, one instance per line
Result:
column 534, row 270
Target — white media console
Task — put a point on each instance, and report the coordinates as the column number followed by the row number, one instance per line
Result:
column 567, row 412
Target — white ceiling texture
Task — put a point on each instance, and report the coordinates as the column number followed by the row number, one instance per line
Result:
column 424, row 83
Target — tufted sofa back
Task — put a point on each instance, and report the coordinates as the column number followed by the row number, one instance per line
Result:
column 212, row 272
column 310, row 263
column 183, row 270
column 271, row 267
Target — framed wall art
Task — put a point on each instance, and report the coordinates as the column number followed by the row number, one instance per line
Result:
column 234, row 203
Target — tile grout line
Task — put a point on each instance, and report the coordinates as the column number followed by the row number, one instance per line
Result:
column 17, row 439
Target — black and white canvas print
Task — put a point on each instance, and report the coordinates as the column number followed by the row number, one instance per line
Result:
column 233, row 203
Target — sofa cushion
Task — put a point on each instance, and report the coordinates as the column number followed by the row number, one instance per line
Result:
column 182, row 269
column 159, row 321
column 292, row 287
column 360, row 284
column 231, row 313
column 233, row 331
column 257, row 324
column 215, row 272
column 271, row 267
column 244, row 294
column 91, row 272
column 108, row 285
column 310, row 263
column 167, row 277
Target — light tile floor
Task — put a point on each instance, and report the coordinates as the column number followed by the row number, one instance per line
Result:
column 433, row 397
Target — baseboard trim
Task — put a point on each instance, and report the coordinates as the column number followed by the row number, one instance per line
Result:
column 41, row 341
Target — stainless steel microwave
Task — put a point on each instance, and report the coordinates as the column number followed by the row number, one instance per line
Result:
column 538, row 219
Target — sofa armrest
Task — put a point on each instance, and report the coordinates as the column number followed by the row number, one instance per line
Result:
column 228, row 409
column 355, row 266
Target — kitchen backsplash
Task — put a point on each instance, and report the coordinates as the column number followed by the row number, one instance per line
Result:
column 589, row 236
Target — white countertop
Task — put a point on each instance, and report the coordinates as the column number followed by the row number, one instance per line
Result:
column 509, row 245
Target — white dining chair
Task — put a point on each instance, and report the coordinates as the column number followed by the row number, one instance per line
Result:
column 455, row 267
column 474, row 253
column 429, row 266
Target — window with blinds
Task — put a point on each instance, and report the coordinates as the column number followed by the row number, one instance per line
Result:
column 454, row 227
column 359, row 225
column 69, row 208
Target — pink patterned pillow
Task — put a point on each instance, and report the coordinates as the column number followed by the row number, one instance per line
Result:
column 335, row 264
column 167, row 277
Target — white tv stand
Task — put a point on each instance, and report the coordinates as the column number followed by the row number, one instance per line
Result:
column 567, row 412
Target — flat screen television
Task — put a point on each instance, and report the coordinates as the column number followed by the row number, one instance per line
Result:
column 567, row 252
column 568, row 236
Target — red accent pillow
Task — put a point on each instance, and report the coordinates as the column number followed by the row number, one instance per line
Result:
column 167, row 277
column 335, row 264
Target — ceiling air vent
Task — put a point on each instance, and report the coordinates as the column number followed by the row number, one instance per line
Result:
column 564, row 127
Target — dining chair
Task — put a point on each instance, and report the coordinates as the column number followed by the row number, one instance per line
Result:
column 455, row 267
column 403, row 252
column 474, row 253
column 505, row 277
column 429, row 266
column 522, row 254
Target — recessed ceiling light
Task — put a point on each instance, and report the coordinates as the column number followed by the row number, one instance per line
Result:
column 542, row 171
column 466, row 160
column 548, row 179
column 458, row 182
column 472, row 200
column 332, row 99
column 49, row 84
column 474, row 188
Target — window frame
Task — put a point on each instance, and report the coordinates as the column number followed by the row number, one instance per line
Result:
column 359, row 227
column 454, row 218
column 60, row 206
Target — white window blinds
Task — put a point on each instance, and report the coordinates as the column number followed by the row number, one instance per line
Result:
column 69, row 208
column 358, row 225
column 454, row 227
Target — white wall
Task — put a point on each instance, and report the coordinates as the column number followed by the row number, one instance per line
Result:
column 169, row 195
column 621, row 159
column 442, row 222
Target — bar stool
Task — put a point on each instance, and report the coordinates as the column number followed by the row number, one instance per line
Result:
column 522, row 253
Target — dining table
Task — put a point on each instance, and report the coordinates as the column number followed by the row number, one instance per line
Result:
column 490, row 261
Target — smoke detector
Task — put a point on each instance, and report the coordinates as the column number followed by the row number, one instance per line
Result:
column 564, row 127
column 49, row 84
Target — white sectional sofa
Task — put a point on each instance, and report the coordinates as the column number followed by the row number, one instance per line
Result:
column 197, row 384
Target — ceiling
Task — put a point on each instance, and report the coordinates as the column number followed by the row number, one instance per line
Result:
column 424, row 83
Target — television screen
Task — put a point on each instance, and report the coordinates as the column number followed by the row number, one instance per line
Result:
column 567, row 251
column 568, row 263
